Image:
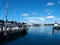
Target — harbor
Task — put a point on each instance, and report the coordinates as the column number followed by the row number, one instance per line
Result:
column 34, row 35
column 29, row 22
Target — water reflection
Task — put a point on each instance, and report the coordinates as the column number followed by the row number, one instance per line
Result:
column 55, row 30
column 46, row 30
column 39, row 35
column 23, row 34
column 42, row 28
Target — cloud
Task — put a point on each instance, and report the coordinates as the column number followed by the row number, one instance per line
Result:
column 48, row 11
column 32, row 21
column 34, row 13
column 50, row 17
column 25, row 14
column 50, row 4
column 58, row 2
column 35, row 19
column 42, row 19
column 56, row 18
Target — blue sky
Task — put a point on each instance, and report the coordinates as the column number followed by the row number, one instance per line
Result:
column 31, row 11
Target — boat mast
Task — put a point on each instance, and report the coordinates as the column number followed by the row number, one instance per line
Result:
column 6, row 14
column 14, row 16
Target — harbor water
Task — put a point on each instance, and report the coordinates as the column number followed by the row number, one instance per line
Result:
column 38, row 35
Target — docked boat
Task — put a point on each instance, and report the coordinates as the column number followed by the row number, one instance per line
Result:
column 12, row 32
column 56, row 26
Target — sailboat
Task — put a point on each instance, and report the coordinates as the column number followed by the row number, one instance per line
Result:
column 10, row 28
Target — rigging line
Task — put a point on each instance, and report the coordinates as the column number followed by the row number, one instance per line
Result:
column 2, row 4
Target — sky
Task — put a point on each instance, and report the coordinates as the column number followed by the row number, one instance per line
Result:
column 31, row 11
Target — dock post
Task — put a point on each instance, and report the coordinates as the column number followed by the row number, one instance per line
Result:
column 5, row 30
column 1, row 27
column 2, row 24
column 5, row 33
column 2, row 32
